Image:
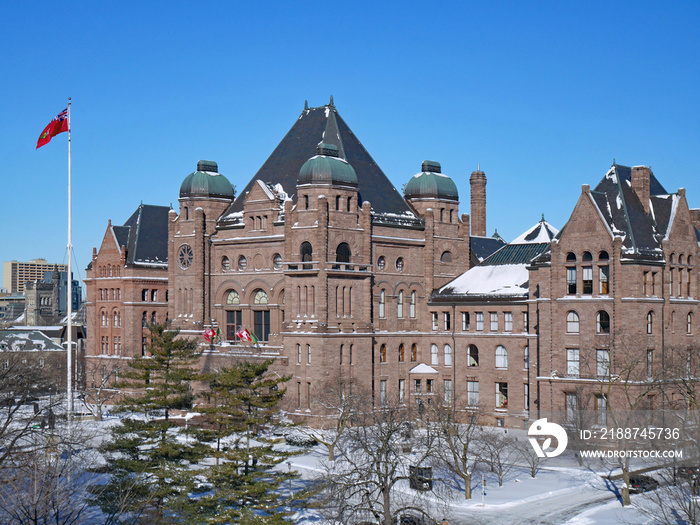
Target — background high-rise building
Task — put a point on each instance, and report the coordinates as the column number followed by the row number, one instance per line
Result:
column 16, row 273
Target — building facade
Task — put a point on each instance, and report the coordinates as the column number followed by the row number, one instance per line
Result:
column 336, row 274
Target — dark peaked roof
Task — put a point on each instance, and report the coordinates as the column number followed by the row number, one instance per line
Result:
column 482, row 247
column 145, row 235
column 324, row 124
column 624, row 213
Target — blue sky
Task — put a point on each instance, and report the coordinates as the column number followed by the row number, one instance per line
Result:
column 543, row 95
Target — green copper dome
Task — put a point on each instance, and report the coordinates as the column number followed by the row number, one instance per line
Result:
column 327, row 168
column 431, row 183
column 206, row 182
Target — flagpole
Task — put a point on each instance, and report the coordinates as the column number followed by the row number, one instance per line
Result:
column 69, row 293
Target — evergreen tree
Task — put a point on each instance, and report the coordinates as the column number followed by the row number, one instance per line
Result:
column 150, row 460
column 242, row 486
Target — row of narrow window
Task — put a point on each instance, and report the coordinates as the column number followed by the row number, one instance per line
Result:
column 116, row 348
column 479, row 321
column 399, row 304
column 501, row 355
column 602, row 364
column 109, row 271
column 116, row 319
column 573, row 322
column 152, row 295
column 242, row 263
column 113, row 294
column 424, row 389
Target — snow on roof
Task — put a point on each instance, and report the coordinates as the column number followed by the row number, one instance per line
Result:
column 422, row 369
column 506, row 279
column 539, row 233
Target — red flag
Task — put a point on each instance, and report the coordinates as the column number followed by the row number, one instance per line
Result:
column 59, row 124
column 209, row 334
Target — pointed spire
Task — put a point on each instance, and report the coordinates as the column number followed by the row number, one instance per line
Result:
column 542, row 220
column 331, row 102
column 306, row 105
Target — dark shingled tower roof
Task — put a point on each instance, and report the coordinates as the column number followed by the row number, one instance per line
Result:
column 314, row 126
column 145, row 235
column 621, row 208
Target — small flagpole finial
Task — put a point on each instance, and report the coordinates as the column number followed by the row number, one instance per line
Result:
column 331, row 102
column 306, row 105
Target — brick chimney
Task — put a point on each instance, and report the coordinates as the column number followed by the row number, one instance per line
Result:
column 640, row 184
column 478, row 203
column 695, row 217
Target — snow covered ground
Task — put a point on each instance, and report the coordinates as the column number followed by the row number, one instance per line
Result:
column 562, row 493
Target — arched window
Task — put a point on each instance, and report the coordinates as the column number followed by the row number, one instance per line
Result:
column 306, row 253
column 572, row 323
column 433, row 354
column 261, row 317
column 650, row 323
column 382, row 299
column 603, row 322
column 501, row 357
column 414, row 352
column 277, row 261
column 412, row 305
column 446, row 257
column 399, row 264
column 104, row 318
column 690, row 259
column 306, row 202
column 603, row 256
column 570, row 257
column 472, row 355
column 337, row 202
column 349, row 203
column 401, row 353
column 242, row 263
column 116, row 319
column 144, row 319
column 144, row 295
column 225, row 263
column 342, row 254
column 232, row 297
column 448, row 355
column 680, row 259
column 154, row 295
column 382, row 354
column 153, row 318
column 672, row 259
column 399, row 306
column 587, row 256
column 381, row 263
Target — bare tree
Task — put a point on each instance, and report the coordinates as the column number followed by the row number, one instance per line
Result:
column 624, row 388
column 369, row 479
column 524, row 450
column 21, row 407
column 47, row 480
column 100, row 390
column 498, row 451
column 457, row 440
column 339, row 404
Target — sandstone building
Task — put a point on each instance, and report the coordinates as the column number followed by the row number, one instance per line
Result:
column 338, row 274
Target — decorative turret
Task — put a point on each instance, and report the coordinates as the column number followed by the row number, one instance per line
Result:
column 206, row 182
column 326, row 167
column 431, row 183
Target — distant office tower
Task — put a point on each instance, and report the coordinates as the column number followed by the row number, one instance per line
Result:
column 16, row 273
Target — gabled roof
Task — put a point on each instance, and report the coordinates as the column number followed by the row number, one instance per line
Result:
column 314, row 126
column 145, row 235
column 624, row 213
column 504, row 274
column 27, row 341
